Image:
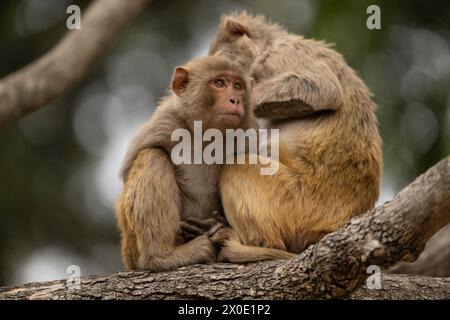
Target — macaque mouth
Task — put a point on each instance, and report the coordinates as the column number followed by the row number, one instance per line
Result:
column 230, row 114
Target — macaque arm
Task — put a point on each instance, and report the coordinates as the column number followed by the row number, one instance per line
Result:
column 198, row 250
column 151, row 134
column 144, row 139
column 151, row 207
column 296, row 95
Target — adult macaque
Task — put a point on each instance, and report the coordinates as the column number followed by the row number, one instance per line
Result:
column 158, row 194
column 330, row 161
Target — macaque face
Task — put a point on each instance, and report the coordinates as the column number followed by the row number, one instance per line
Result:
column 229, row 94
column 215, row 95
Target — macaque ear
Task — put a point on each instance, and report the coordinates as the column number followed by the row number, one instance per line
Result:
column 180, row 80
column 235, row 28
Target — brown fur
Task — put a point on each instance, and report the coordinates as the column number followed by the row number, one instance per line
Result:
column 330, row 157
column 157, row 194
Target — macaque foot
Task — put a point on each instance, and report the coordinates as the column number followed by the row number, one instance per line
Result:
column 218, row 235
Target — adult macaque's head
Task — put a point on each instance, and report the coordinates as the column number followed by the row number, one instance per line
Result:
column 243, row 37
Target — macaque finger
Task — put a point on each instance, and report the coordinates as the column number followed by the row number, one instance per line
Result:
column 214, row 229
column 187, row 236
column 205, row 224
column 190, row 228
column 219, row 217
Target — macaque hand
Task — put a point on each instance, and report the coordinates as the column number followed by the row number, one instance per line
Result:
column 193, row 227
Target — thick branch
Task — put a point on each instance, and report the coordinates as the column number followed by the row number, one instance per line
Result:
column 213, row 282
column 45, row 79
column 332, row 268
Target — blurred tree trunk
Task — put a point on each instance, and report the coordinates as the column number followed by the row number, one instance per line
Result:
column 334, row 267
column 47, row 78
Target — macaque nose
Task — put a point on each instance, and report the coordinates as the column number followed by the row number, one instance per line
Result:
column 234, row 101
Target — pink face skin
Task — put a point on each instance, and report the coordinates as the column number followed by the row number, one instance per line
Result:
column 229, row 91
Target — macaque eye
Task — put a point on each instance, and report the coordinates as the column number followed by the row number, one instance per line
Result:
column 238, row 85
column 219, row 83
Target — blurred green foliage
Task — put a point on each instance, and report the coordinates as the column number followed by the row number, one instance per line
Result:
column 59, row 165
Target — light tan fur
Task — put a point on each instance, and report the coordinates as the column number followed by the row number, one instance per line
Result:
column 331, row 161
column 157, row 194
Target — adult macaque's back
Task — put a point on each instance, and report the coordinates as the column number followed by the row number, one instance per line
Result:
column 331, row 160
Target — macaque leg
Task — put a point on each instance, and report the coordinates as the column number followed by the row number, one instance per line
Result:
column 151, row 203
column 128, row 246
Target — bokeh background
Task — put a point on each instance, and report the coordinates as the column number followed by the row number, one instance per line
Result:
column 58, row 166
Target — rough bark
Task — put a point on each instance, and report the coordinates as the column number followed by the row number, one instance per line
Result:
column 47, row 78
column 213, row 282
column 333, row 268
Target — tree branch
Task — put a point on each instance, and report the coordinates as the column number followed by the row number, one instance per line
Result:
column 332, row 268
column 45, row 79
column 204, row 282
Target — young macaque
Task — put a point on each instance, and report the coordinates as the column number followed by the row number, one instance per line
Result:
column 330, row 154
column 157, row 193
